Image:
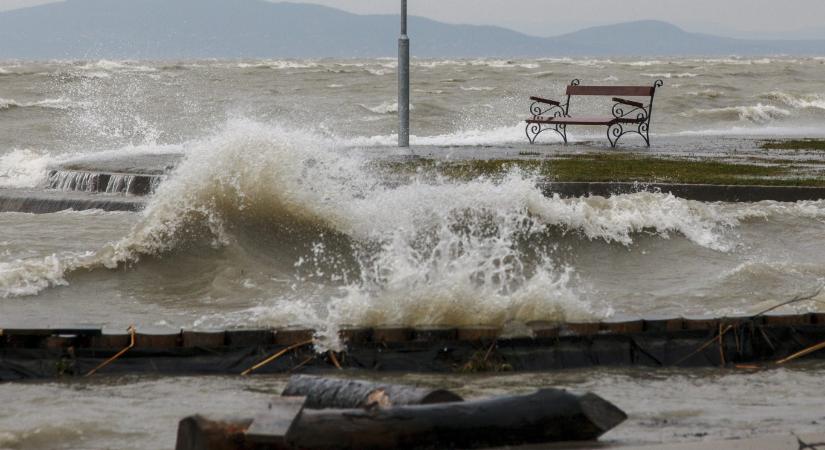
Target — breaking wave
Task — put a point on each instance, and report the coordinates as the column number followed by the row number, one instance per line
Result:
column 278, row 64
column 49, row 103
column 384, row 108
column 116, row 66
column 797, row 101
column 363, row 252
column 23, row 168
column 670, row 75
column 476, row 88
column 758, row 113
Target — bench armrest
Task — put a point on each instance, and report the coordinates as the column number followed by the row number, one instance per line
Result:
column 628, row 102
column 544, row 100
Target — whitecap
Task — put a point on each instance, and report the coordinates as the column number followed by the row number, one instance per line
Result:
column 758, row 113
column 23, row 168
column 670, row 75
column 814, row 101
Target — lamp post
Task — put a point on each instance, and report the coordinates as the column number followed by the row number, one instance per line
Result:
column 403, row 81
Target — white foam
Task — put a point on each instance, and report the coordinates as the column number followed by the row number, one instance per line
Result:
column 28, row 277
column 645, row 63
column 486, row 136
column 437, row 63
column 670, row 75
column 477, row 88
column 814, row 101
column 431, row 251
column 278, row 64
column 384, row 108
column 97, row 75
column 709, row 93
column 762, row 130
column 597, row 63
column 8, row 104
column 379, row 72
column 54, row 103
column 758, row 113
column 116, row 66
column 503, row 64
column 734, row 61
column 49, row 103
column 23, row 168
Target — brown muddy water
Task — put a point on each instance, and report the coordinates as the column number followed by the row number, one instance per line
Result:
column 141, row 413
column 274, row 217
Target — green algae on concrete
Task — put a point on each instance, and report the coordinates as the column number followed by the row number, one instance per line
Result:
column 794, row 144
column 615, row 167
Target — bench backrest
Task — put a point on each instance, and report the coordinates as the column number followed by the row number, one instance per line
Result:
column 627, row 91
column 622, row 108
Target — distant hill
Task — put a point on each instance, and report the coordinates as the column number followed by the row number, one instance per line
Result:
column 167, row 29
column 652, row 37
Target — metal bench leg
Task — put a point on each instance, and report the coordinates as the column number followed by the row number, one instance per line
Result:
column 643, row 131
column 532, row 130
column 562, row 132
column 614, row 132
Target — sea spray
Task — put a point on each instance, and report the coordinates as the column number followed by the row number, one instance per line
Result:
column 24, row 168
column 349, row 249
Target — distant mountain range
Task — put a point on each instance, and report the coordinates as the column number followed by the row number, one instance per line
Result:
column 171, row 29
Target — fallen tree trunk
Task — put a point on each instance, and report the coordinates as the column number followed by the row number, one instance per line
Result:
column 343, row 394
column 548, row 415
column 199, row 433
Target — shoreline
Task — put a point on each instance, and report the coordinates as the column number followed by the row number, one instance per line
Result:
column 87, row 182
column 746, row 342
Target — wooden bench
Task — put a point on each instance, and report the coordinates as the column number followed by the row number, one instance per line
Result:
column 635, row 115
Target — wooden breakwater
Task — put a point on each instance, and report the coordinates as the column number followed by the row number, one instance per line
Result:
column 652, row 342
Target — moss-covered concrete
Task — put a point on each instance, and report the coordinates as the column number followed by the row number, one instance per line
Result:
column 794, row 144
column 617, row 167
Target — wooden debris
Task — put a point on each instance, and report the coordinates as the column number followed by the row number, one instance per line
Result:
column 341, row 393
column 548, row 415
column 272, row 426
column 199, row 433
column 276, row 356
column 802, row 353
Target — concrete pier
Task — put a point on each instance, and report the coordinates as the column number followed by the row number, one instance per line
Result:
column 122, row 182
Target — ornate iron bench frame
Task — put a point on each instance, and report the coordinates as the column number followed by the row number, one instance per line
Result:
column 555, row 116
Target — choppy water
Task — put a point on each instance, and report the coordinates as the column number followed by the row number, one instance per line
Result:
column 274, row 217
column 142, row 413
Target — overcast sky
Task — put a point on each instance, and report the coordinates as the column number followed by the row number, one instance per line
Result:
column 739, row 18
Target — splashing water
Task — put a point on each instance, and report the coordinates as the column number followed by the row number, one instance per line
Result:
column 351, row 249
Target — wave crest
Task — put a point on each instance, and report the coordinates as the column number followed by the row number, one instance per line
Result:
column 362, row 252
column 758, row 113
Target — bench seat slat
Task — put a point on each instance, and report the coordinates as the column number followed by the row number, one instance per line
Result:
column 582, row 120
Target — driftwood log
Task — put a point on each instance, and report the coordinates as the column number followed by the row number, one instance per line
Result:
column 548, row 415
column 200, row 433
column 345, row 394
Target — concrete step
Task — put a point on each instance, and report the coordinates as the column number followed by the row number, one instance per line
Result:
column 49, row 201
